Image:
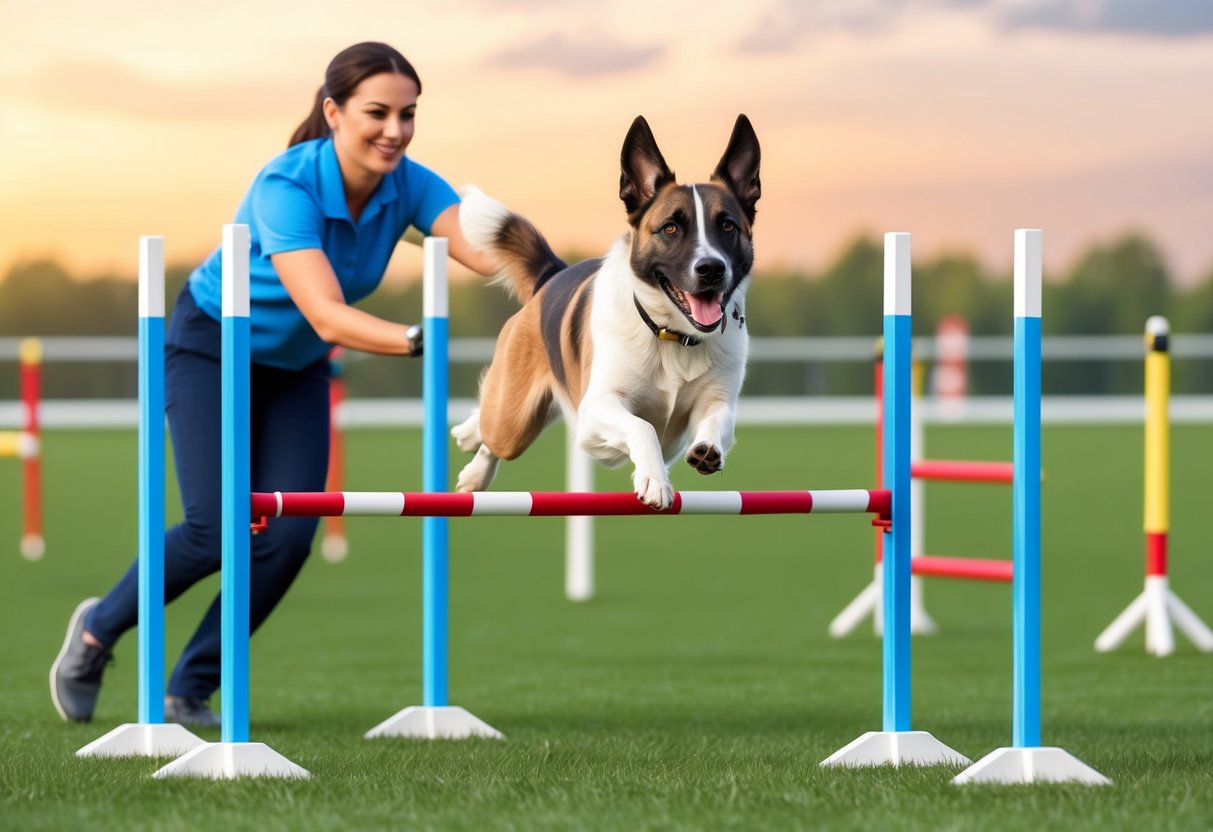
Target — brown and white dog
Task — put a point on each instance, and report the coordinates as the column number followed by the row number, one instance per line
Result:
column 639, row 348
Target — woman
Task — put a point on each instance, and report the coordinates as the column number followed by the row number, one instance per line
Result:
column 324, row 218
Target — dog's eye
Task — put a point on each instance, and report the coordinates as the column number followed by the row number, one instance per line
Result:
column 669, row 229
column 728, row 226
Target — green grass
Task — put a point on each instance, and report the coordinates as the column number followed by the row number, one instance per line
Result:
column 698, row 691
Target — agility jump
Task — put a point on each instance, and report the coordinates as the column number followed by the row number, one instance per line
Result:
column 1157, row 606
column 235, row 756
column 26, row 444
column 867, row 602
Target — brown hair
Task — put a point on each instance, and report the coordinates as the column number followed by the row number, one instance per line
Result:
column 346, row 71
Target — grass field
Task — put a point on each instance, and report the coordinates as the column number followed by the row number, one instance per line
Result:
column 698, row 691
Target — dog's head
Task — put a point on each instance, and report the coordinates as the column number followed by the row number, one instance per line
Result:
column 693, row 242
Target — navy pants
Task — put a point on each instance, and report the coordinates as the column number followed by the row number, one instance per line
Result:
column 289, row 442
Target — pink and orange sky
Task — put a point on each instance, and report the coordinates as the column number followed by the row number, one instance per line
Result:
column 957, row 120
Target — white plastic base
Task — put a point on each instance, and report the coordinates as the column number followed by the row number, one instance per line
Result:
column 33, row 547
column 1157, row 607
column 334, row 547
column 138, row 739
column 232, row 760
column 896, row 748
column 434, row 723
column 868, row 602
column 1011, row 766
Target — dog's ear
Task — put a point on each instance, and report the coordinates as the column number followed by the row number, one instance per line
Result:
column 738, row 167
column 644, row 170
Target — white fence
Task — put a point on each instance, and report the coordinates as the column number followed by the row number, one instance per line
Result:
column 360, row 413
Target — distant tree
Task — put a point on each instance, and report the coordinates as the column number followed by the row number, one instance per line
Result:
column 1112, row 289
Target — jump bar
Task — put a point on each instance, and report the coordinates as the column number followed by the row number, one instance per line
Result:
column 944, row 470
column 972, row 569
column 562, row 504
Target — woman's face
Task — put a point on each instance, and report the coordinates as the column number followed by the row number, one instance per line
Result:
column 373, row 128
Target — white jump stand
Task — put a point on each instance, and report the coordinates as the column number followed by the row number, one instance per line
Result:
column 1021, row 766
column 447, row 722
column 895, row 748
column 231, row 761
column 143, row 739
column 868, row 602
column 1156, row 607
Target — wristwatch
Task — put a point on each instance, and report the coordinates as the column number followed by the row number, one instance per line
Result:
column 415, row 340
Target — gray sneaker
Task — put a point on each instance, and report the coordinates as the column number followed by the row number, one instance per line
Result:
column 190, row 712
column 76, row 673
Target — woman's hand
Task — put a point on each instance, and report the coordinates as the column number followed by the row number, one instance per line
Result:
column 416, row 342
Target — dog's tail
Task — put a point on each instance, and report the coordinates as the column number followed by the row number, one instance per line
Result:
column 526, row 258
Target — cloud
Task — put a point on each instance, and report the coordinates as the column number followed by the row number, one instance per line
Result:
column 578, row 57
column 1153, row 18
column 787, row 23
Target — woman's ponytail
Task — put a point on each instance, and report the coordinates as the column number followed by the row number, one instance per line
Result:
column 314, row 126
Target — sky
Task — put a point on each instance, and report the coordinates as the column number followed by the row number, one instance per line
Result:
column 955, row 120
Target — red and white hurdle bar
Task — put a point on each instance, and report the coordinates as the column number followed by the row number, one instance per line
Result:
column 26, row 444
column 563, row 504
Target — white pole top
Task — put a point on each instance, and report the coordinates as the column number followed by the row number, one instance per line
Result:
column 151, row 277
column 434, row 287
column 1028, row 248
column 235, row 271
column 897, row 273
column 1157, row 325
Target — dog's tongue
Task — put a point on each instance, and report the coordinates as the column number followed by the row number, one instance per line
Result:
column 706, row 309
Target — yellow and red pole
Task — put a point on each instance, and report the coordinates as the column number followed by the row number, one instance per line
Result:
column 1157, row 515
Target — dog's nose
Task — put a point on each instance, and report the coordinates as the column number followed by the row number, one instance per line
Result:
column 710, row 269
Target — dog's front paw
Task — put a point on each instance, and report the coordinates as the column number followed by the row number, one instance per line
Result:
column 705, row 458
column 478, row 474
column 654, row 492
column 467, row 434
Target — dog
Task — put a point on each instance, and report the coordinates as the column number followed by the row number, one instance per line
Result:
column 640, row 348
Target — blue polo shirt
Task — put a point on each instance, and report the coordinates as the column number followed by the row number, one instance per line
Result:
column 298, row 202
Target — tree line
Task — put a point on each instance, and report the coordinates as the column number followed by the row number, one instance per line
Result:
column 1110, row 289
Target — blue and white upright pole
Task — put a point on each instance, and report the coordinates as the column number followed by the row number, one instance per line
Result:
column 151, row 479
column 234, row 756
column 236, row 486
column 895, row 593
column 150, row 736
column 1025, row 589
column 1026, row 761
column 435, row 718
column 435, row 576
column 896, row 744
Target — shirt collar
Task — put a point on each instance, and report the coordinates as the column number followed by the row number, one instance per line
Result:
column 332, row 188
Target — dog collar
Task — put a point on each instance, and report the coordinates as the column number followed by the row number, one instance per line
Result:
column 662, row 333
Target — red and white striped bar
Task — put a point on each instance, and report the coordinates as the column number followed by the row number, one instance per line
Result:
column 561, row 504
column 946, row 470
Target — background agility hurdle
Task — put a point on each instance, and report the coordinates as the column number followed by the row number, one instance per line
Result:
column 26, row 445
column 867, row 602
column 1157, row 605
